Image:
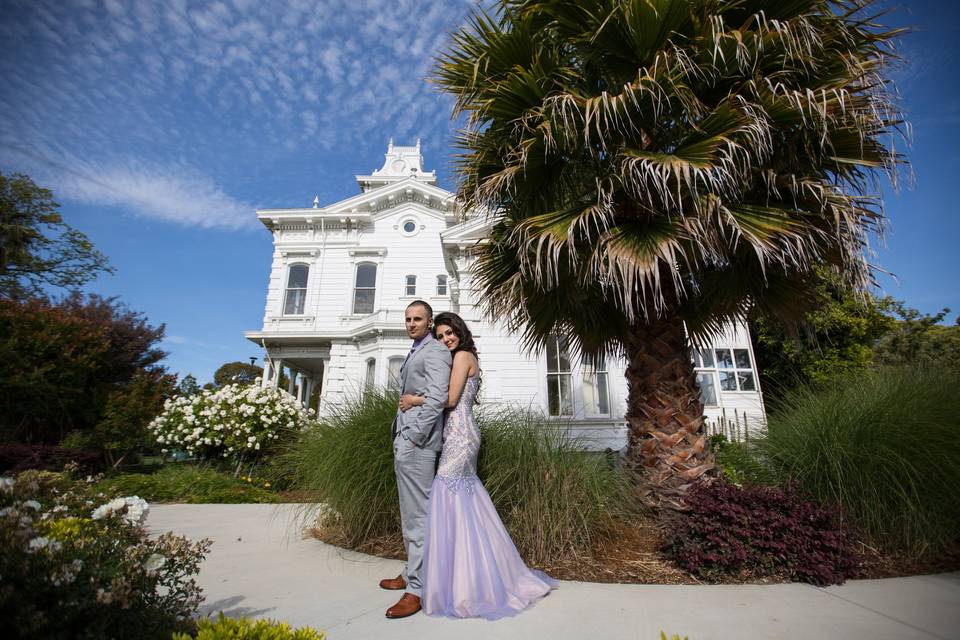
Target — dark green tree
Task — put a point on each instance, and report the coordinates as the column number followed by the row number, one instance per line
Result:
column 188, row 386
column 37, row 248
column 236, row 373
column 918, row 337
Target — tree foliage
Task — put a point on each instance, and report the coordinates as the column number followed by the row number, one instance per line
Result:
column 37, row 248
column 918, row 337
column 83, row 363
column 242, row 373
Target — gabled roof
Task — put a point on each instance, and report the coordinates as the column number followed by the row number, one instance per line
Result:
column 371, row 204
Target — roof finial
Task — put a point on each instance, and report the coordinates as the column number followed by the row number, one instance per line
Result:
column 390, row 145
column 316, row 202
column 418, row 145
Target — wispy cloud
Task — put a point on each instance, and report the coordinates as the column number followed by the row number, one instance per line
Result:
column 169, row 103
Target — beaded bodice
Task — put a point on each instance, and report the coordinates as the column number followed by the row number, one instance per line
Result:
column 461, row 438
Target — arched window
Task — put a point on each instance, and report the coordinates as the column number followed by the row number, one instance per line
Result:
column 442, row 285
column 365, row 288
column 393, row 371
column 296, row 294
column 370, row 376
column 410, row 285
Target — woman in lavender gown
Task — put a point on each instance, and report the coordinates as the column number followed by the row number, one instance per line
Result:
column 471, row 568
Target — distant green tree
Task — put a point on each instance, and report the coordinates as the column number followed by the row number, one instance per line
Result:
column 122, row 430
column 918, row 337
column 37, row 248
column 188, row 386
column 236, row 373
column 836, row 336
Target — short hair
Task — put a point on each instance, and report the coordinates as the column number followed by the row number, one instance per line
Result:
column 424, row 304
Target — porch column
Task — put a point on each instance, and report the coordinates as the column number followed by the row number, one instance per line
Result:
column 308, row 396
column 276, row 370
column 292, row 382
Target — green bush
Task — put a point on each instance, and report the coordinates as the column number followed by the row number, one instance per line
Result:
column 739, row 462
column 556, row 501
column 883, row 444
column 191, row 484
column 79, row 565
column 224, row 628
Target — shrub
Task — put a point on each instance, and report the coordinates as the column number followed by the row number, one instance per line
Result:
column 15, row 458
column 235, row 422
column 739, row 462
column 224, row 628
column 190, row 484
column 757, row 532
column 77, row 565
column 884, row 445
column 555, row 501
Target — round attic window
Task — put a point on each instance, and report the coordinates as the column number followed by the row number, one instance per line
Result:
column 409, row 227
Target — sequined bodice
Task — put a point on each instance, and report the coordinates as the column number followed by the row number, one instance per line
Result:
column 461, row 438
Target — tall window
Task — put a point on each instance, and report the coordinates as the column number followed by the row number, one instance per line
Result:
column 441, row 285
column 370, row 375
column 410, row 285
column 393, row 371
column 365, row 288
column 296, row 295
column 559, row 382
column 596, row 398
column 706, row 376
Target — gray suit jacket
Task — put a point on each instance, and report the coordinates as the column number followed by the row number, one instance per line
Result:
column 426, row 372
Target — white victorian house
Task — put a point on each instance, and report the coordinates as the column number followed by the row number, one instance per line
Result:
column 344, row 273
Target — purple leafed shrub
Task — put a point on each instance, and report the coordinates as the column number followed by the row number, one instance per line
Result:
column 757, row 532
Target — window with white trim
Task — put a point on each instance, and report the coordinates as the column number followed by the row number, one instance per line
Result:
column 596, row 395
column 365, row 288
column 295, row 296
column 370, row 375
column 410, row 286
column 559, row 377
column 393, row 371
column 724, row 369
column 441, row 285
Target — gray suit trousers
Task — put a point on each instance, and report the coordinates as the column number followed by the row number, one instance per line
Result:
column 415, row 468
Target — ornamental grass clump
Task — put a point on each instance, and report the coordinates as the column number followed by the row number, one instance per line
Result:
column 77, row 564
column 235, row 422
column 884, row 444
column 759, row 532
column 555, row 500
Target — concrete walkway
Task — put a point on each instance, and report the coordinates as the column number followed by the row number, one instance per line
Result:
column 260, row 566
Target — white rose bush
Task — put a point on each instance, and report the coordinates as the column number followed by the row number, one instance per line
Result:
column 235, row 422
column 75, row 563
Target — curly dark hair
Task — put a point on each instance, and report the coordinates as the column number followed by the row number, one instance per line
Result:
column 460, row 329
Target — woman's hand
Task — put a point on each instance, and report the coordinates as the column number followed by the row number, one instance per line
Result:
column 409, row 400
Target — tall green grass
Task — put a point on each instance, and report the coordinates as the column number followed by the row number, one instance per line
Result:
column 556, row 501
column 885, row 445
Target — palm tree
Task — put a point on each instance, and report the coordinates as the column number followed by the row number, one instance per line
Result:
column 658, row 167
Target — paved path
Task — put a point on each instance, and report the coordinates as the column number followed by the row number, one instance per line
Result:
column 260, row 566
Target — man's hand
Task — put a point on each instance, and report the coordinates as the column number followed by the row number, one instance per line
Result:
column 409, row 400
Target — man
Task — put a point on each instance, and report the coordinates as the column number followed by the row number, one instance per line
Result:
column 417, row 437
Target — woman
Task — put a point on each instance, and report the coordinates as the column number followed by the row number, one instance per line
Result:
column 471, row 567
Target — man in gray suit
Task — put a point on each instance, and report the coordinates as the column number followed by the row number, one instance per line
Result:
column 417, row 437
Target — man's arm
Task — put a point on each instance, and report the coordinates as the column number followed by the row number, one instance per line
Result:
column 436, row 365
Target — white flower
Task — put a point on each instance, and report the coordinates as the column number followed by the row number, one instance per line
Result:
column 37, row 543
column 33, row 504
column 154, row 562
column 6, row 484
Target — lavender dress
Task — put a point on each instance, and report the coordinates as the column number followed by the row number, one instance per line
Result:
column 471, row 567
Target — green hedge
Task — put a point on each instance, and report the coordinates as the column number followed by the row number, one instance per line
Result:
column 190, row 484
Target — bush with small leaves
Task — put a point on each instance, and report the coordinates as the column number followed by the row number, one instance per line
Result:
column 224, row 628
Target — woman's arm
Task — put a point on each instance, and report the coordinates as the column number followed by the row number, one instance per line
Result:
column 462, row 366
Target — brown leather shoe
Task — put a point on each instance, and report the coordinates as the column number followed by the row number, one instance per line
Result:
column 409, row 604
column 393, row 584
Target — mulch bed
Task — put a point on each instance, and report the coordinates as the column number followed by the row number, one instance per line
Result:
column 632, row 557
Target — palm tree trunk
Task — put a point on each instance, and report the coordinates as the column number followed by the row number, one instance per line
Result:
column 664, row 413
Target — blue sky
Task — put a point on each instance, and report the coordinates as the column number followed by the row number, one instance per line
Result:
column 162, row 126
